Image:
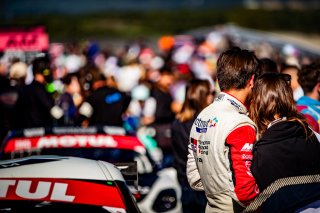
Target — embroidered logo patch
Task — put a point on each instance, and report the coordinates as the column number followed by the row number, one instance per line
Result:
column 247, row 147
column 201, row 126
column 220, row 97
column 194, row 144
column 236, row 105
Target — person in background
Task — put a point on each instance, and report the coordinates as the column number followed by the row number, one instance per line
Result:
column 164, row 114
column 293, row 71
column 309, row 104
column 197, row 97
column 70, row 99
column 222, row 136
column 287, row 146
column 8, row 96
column 161, row 93
column 104, row 106
column 142, row 107
column 17, row 77
column 268, row 65
column 18, row 74
column 35, row 105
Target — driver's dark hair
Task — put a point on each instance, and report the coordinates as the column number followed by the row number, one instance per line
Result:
column 235, row 67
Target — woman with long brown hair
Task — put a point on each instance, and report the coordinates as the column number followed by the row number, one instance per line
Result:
column 197, row 97
column 287, row 146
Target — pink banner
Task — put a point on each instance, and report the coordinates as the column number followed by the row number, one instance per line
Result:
column 25, row 41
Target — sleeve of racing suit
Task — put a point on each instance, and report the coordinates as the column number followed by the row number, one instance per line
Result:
column 192, row 171
column 240, row 141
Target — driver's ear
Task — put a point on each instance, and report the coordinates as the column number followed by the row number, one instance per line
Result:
column 251, row 81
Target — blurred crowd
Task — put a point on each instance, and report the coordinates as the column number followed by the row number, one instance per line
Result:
column 154, row 93
column 81, row 84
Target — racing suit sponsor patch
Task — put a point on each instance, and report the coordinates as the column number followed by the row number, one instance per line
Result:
column 194, row 143
column 203, row 147
column 236, row 105
column 202, row 126
column 220, row 97
column 247, row 147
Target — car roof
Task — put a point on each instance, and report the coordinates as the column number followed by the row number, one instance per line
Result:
column 59, row 167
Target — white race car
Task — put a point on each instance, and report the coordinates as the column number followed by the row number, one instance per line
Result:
column 158, row 189
column 65, row 184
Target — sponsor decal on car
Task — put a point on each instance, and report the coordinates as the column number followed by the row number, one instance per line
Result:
column 74, row 141
column 62, row 190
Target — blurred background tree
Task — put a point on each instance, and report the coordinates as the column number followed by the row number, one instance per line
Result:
column 71, row 20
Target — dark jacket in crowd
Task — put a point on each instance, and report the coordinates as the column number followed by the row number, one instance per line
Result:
column 33, row 107
column 163, row 113
column 192, row 201
column 108, row 106
column 164, row 116
column 8, row 96
column 180, row 140
column 284, row 151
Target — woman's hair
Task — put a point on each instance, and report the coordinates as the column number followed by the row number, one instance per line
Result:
column 272, row 96
column 197, row 92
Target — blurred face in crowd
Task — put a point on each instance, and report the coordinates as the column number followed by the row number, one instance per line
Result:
column 166, row 80
column 74, row 86
column 309, row 79
column 293, row 72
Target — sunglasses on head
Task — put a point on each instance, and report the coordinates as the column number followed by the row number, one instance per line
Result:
column 285, row 77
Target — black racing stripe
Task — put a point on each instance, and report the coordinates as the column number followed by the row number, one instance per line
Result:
column 130, row 203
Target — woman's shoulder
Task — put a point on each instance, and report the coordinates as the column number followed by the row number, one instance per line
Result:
column 283, row 131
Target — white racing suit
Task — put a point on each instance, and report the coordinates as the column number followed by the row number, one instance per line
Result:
column 220, row 154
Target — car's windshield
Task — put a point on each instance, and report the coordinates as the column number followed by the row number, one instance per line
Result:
column 110, row 155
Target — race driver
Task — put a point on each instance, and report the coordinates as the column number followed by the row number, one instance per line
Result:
column 222, row 137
